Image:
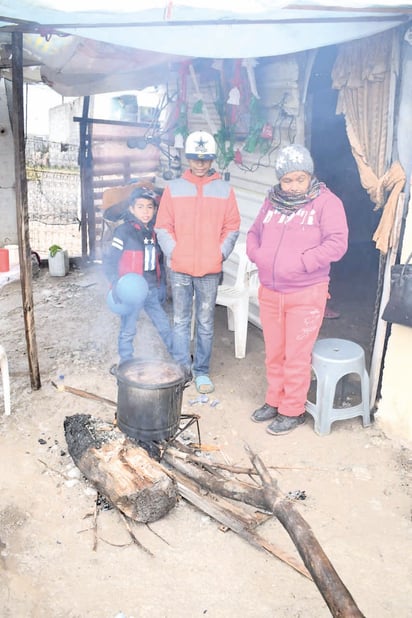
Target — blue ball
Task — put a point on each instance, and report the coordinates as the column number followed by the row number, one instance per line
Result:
column 132, row 289
column 119, row 308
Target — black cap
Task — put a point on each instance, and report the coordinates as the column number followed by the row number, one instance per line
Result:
column 144, row 192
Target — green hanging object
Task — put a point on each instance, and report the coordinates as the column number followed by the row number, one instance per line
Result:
column 256, row 125
column 198, row 107
column 181, row 124
column 252, row 140
column 225, row 148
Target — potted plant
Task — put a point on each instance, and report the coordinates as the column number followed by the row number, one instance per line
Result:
column 58, row 261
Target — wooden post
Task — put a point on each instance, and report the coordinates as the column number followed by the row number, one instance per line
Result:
column 86, row 180
column 22, row 214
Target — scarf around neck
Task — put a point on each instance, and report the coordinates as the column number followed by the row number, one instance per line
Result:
column 289, row 203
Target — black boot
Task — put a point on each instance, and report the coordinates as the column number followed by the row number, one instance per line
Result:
column 264, row 413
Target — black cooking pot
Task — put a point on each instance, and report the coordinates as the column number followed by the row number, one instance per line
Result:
column 149, row 399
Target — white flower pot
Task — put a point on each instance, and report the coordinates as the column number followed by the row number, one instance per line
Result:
column 59, row 264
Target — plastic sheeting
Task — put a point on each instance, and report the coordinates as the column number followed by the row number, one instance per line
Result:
column 107, row 50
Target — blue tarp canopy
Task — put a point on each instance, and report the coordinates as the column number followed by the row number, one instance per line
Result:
column 86, row 50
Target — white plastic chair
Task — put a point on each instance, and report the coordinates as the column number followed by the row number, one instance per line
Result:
column 236, row 298
column 4, row 366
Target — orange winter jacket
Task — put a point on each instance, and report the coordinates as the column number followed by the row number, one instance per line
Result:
column 197, row 224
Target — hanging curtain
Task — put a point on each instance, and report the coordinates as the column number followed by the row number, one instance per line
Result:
column 363, row 74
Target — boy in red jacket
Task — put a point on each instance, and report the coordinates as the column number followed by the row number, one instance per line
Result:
column 197, row 226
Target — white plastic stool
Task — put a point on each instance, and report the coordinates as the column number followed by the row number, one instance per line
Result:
column 331, row 360
column 4, row 366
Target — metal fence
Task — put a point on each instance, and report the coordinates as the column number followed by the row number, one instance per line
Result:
column 54, row 199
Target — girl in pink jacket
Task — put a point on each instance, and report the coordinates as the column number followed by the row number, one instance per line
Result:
column 300, row 229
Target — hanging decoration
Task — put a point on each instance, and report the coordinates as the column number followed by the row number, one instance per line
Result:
column 179, row 142
column 200, row 108
column 250, row 64
column 234, row 96
column 261, row 132
column 242, row 117
column 238, row 157
column 267, row 131
column 224, row 138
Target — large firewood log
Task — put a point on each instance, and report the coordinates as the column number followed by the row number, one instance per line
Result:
column 338, row 598
column 122, row 471
column 269, row 496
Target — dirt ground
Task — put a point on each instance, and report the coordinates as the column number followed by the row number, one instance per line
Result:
column 356, row 481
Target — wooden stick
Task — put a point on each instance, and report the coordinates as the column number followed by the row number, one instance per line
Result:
column 95, row 514
column 337, row 596
column 189, row 455
column 222, row 511
column 132, row 535
column 228, row 487
column 85, row 394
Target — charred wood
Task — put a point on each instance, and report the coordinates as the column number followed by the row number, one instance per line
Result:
column 120, row 469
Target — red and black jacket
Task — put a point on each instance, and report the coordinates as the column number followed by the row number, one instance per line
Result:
column 134, row 249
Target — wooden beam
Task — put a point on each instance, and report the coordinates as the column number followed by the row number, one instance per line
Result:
column 22, row 212
column 119, row 123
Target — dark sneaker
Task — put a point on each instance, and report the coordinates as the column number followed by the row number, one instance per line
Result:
column 264, row 413
column 284, row 424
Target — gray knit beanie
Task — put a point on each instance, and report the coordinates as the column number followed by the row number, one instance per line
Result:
column 293, row 158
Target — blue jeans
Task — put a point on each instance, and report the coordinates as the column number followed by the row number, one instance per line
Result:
column 204, row 290
column 128, row 325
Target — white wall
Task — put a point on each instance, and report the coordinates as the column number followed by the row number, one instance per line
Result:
column 62, row 128
column 39, row 99
column 8, row 223
column 394, row 413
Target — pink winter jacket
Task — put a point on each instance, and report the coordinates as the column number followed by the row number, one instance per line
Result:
column 295, row 251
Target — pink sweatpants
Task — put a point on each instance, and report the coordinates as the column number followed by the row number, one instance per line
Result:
column 291, row 324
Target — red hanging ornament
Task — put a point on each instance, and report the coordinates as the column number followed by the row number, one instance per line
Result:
column 267, row 131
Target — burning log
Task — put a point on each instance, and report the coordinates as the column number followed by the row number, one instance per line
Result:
column 122, row 471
